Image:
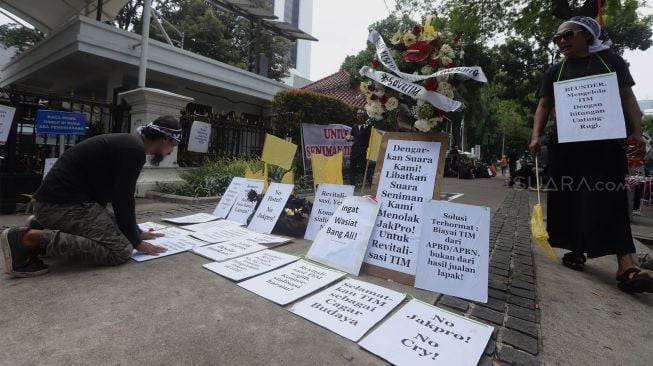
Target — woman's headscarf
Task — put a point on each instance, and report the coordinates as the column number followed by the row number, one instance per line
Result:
column 600, row 41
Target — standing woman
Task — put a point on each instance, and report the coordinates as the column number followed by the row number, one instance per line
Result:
column 587, row 209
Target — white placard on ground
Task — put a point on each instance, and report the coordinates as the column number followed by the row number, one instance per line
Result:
column 446, row 196
column 47, row 165
column 422, row 334
column 406, row 183
column 6, row 119
column 349, row 308
column 243, row 207
column 228, row 250
column 198, row 140
column 229, row 197
column 151, row 226
column 342, row 242
column 192, row 219
column 327, row 199
column 453, row 254
column 212, row 225
column 589, row 108
column 268, row 240
column 220, row 235
column 271, row 206
column 173, row 242
column 291, row 282
column 251, row 265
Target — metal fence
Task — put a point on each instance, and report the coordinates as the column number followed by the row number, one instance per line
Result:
column 230, row 136
column 26, row 151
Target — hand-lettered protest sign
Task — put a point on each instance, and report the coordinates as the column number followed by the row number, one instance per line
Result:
column 228, row 249
column 6, row 120
column 192, row 219
column 407, row 175
column 243, row 207
column 175, row 241
column 270, row 209
column 349, row 308
column 200, row 133
column 589, row 109
column 327, row 199
column 151, row 226
column 342, row 242
column 422, row 334
column 251, row 265
column 229, row 197
column 453, row 253
column 291, row 282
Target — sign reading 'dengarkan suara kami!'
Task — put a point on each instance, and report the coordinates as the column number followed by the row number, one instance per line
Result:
column 422, row 334
column 327, row 199
column 407, row 181
column 251, row 265
column 243, row 207
column 270, row 209
column 454, row 250
column 200, row 133
column 229, row 197
column 589, row 108
column 291, row 282
column 342, row 242
column 349, row 308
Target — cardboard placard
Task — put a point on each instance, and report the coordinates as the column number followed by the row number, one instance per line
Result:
column 589, row 108
column 422, row 334
column 454, row 250
column 229, row 197
column 327, row 199
column 250, row 265
column 392, row 252
column 291, row 282
column 198, row 140
column 350, row 307
column 342, row 242
column 272, row 204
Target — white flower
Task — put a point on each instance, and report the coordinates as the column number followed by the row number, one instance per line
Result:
column 426, row 70
column 391, row 104
column 409, row 38
column 363, row 88
column 434, row 121
column 374, row 109
column 442, row 78
column 446, row 89
column 446, row 61
column 446, row 50
column 396, row 38
column 422, row 125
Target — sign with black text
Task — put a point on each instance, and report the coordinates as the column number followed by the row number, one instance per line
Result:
column 422, row 334
column 589, row 108
column 270, row 209
column 327, row 199
column 251, row 265
column 243, row 207
column 198, row 140
column 454, row 250
column 229, row 197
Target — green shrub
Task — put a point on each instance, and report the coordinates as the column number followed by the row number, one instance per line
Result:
column 294, row 106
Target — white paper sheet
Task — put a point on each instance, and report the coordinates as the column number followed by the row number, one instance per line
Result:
column 243, row 207
column 272, row 204
column 422, row 334
column 200, row 134
column 291, row 282
column 327, row 199
column 251, row 265
column 342, row 242
column 453, row 254
column 149, row 225
column 228, row 250
column 229, row 197
column 174, row 245
column 349, row 308
column 223, row 234
column 212, row 225
column 192, row 219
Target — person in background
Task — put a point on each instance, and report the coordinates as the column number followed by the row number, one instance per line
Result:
column 360, row 136
column 584, row 215
column 71, row 218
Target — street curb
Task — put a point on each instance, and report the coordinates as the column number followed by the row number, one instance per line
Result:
column 184, row 200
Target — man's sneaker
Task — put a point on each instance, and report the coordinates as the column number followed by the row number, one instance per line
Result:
column 32, row 223
column 19, row 262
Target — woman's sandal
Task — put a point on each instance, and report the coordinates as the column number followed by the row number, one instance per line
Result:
column 574, row 261
column 638, row 282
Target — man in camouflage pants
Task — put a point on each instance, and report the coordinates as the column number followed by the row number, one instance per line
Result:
column 70, row 214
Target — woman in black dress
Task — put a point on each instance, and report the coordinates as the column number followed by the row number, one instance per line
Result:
column 587, row 209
